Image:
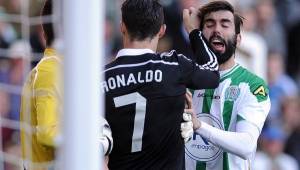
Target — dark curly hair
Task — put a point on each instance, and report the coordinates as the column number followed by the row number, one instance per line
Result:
column 218, row 6
column 142, row 18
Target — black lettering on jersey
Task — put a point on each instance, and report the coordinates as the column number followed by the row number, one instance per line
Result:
column 260, row 91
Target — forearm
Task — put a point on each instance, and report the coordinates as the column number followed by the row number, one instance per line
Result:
column 242, row 143
column 204, row 56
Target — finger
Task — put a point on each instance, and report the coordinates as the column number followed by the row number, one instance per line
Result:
column 192, row 10
column 188, row 92
column 186, row 135
column 186, row 126
column 188, row 99
column 187, row 117
column 186, row 14
column 196, row 122
column 190, row 111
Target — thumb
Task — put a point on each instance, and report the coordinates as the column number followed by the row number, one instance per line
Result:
column 186, row 14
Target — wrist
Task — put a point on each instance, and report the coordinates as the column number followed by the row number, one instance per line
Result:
column 190, row 30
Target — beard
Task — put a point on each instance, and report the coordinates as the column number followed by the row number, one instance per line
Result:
column 230, row 46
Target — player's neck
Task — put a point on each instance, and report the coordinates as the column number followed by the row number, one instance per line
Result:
column 228, row 64
column 143, row 44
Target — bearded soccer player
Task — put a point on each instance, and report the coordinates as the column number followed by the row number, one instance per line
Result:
column 145, row 91
column 230, row 117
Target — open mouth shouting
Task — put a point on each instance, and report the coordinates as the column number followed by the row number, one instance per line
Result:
column 218, row 44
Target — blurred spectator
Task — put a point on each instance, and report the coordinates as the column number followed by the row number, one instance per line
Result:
column 288, row 12
column 291, row 110
column 293, row 61
column 272, row 156
column 269, row 27
column 13, row 6
column 280, row 86
column 4, row 69
column 7, row 32
column 14, row 149
column 254, row 60
column 291, row 113
column 20, row 54
column 112, row 42
column 4, row 103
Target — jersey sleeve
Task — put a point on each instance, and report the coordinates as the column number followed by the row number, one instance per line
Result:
column 203, row 71
column 195, row 76
column 46, row 95
column 255, row 104
column 204, row 56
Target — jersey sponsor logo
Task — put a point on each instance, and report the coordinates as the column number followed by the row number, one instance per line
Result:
column 260, row 91
column 232, row 93
column 199, row 148
column 122, row 80
column 202, row 94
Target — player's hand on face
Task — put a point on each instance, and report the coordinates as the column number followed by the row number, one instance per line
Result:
column 190, row 19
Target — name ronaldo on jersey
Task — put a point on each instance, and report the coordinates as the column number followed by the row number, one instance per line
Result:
column 123, row 80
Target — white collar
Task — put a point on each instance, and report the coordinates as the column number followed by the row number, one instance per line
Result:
column 133, row 51
column 223, row 72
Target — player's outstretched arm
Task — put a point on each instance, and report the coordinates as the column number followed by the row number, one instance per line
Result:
column 233, row 142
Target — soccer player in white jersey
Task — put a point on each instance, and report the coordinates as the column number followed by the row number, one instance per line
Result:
column 228, row 119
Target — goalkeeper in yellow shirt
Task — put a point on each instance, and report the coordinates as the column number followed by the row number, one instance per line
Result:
column 41, row 107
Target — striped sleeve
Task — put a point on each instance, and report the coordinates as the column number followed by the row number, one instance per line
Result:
column 204, row 56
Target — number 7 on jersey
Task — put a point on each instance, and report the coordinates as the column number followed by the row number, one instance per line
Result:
column 139, row 119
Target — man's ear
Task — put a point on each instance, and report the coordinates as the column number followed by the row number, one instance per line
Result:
column 162, row 31
column 238, row 39
column 123, row 28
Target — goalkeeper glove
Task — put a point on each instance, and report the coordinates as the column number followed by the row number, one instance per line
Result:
column 106, row 139
column 186, row 127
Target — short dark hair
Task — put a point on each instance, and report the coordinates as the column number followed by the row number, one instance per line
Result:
column 142, row 18
column 48, row 27
column 218, row 6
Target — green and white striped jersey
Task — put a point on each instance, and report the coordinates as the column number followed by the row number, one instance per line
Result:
column 240, row 96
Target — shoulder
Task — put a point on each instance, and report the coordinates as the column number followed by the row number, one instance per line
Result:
column 257, row 86
column 46, row 72
column 48, row 64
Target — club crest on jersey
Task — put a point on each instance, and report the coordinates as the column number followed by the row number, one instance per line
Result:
column 199, row 148
column 232, row 93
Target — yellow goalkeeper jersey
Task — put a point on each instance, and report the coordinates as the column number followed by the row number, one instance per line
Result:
column 41, row 106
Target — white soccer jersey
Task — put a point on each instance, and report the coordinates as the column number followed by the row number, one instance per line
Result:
column 241, row 95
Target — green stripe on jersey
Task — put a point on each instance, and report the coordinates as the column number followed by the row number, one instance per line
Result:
column 235, row 72
column 259, row 90
column 239, row 118
column 227, row 74
column 206, row 105
column 257, row 85
column 225, row 161
column 228, row 104
column 227, row 111
column 207, row 100
column 200, row 165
